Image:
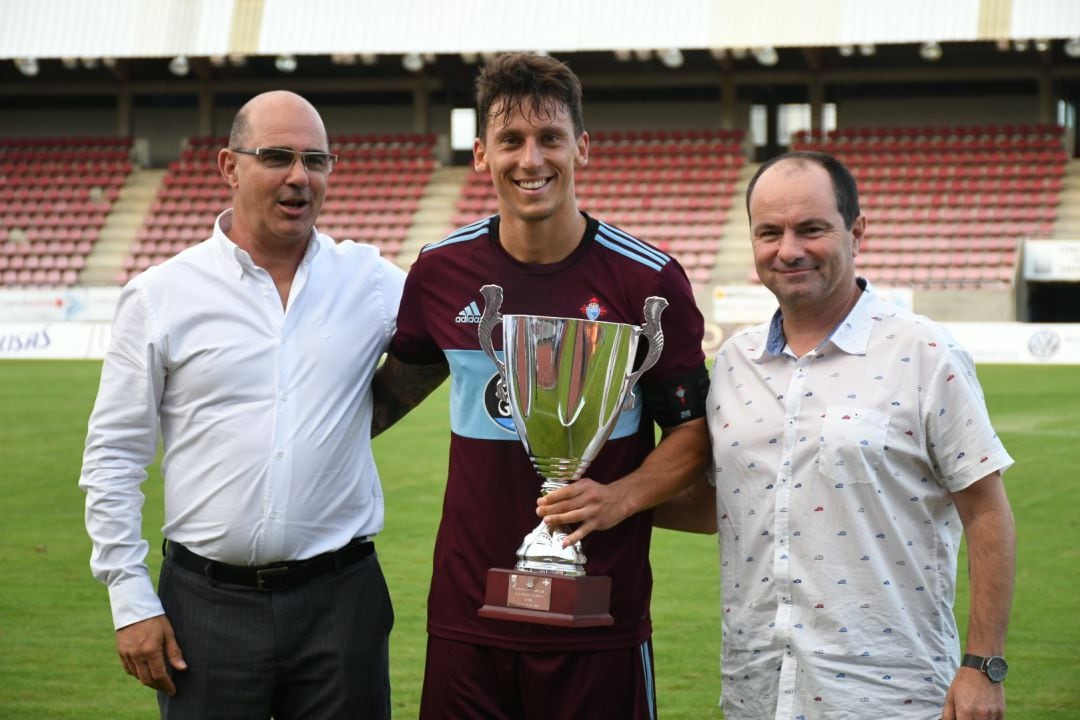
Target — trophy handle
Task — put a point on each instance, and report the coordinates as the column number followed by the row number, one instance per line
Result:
column 493, row 297
column 654, row 307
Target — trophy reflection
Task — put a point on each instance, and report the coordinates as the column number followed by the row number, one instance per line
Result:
column 566, row 381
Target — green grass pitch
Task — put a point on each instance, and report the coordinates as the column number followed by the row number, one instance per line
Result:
column 57, row 658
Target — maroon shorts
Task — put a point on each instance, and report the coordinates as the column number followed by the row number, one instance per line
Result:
column 464, row 681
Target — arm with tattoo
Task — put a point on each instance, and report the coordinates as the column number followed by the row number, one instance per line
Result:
column 398, row 387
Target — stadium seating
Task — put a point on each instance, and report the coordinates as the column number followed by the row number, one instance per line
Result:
column 56, row 193
column 672, row 188
column 377, row 185
column 949, row 206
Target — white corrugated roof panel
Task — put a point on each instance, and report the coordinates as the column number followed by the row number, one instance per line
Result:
column 1034, row 19
column 161, row 28
column 482, row 25
column 890, row 21
column 116, row 28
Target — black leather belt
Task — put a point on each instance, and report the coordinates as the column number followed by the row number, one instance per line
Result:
column 276, row 576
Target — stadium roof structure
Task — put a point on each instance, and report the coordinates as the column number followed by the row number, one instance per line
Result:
column 165, row 28
column 116, row 51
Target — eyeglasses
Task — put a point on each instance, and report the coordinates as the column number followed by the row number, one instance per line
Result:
column 283, row 158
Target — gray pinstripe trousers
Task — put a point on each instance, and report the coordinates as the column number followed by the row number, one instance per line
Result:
column 316, row 652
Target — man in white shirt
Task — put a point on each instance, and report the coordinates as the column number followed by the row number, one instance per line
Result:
column 252, row 353
column 851, row 448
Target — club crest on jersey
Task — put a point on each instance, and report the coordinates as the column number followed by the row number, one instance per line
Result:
column 593, row 309
column 498, row 410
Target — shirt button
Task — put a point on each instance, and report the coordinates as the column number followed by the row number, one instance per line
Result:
column 279, row 454
column 273, row 516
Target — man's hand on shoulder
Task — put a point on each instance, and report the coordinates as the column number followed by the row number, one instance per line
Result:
column 143, row 648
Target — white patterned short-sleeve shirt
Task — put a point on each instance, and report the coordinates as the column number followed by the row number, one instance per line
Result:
column 838, row 532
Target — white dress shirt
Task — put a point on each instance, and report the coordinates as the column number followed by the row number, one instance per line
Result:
column 264, row 412
column 838, row 535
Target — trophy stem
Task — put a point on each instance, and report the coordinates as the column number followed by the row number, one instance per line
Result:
column 550, row 486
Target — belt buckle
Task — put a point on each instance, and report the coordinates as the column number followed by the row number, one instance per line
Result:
column 270, row 572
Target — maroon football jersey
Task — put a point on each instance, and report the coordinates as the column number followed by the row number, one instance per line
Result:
column 491, row 490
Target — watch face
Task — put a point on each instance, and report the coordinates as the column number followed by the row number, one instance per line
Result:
column 996, row 668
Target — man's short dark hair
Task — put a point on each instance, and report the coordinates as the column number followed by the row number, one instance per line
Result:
column 525, row 81
column 843, row 182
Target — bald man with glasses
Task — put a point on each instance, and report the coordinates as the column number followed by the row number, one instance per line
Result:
column 252, row 355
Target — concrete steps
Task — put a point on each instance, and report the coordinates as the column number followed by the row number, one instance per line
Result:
column 105, row 261
column 1067, row 225
column 434, row 216
column 734, row 256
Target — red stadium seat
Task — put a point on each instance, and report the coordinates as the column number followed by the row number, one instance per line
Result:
column 976, row 186
column 66, row 188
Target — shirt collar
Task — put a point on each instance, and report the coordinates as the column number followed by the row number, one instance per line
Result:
column 239, row 259
column 851, row 336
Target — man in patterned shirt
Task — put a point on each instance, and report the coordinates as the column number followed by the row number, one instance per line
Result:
column 852, row 448
column 551, row 259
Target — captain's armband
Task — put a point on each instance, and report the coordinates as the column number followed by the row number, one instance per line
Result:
column 679, row 399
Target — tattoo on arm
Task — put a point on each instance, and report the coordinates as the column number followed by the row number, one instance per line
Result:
column 399, row 387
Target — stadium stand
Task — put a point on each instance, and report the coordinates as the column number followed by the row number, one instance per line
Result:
column 949, row 206
column 673, row 188
column 56, row 194
column 376, row 186
column 955, row 139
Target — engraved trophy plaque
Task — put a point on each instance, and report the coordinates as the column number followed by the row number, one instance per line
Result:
column 566, row 381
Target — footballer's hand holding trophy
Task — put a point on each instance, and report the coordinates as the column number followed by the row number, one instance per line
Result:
column 566, row 381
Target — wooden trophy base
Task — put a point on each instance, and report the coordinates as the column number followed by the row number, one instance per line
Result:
column 548, row 599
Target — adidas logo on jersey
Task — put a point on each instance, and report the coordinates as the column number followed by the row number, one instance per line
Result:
column 469, row 314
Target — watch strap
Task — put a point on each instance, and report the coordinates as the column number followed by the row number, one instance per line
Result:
column 974, row 661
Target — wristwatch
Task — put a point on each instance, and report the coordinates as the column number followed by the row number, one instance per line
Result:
column 994, row 667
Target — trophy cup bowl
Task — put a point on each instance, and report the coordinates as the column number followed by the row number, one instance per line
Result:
column 566, row 381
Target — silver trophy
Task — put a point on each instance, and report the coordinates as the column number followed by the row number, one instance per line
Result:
column 566, row 381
